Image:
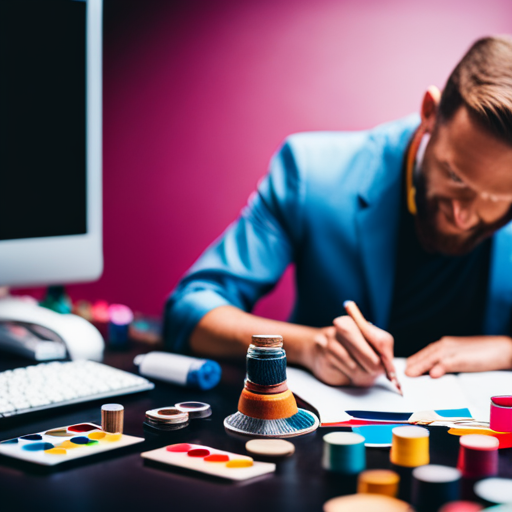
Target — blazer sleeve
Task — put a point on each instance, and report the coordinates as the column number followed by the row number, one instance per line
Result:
column 248, row 259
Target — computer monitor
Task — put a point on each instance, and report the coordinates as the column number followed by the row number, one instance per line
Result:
column 50, row 141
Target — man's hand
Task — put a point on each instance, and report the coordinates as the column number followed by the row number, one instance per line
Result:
column 344, row 355
column 461, row 354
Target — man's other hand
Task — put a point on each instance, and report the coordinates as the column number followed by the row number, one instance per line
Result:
column 461, row 354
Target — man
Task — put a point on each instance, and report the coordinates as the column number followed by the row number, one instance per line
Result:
column 409, row 220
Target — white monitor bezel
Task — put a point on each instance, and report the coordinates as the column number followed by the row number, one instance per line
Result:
column 73, row 258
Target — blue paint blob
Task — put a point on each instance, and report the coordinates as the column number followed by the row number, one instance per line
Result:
column 38, row 447
column 377, row 435
column 80, row 440
column 10, row 441
column 451, row 413
column 32, row 437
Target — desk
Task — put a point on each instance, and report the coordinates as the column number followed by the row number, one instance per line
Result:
column 122, row 482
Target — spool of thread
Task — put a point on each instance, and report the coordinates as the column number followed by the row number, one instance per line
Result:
column 461, row 506
column 433, row 486
column 378, row 481
column 266, row 363
column 501, row 413
column 495, row 490
column 410, row 446
column 181, row 370
column 344, row 452
column 112, row 418
column 366, row 503
column 478, row 456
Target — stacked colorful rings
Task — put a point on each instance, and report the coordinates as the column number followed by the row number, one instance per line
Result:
column 478, row 456
column 344, row 452
column 410, row 446
column 166, row 418
column 501, row 413
column 266, row 406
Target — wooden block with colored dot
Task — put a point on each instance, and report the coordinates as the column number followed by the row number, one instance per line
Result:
column 211, row 461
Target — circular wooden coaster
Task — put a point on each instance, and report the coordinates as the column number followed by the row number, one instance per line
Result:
column 366, row 503
column 270, row 447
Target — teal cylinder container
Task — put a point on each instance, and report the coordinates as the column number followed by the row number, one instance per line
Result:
column 344, row 452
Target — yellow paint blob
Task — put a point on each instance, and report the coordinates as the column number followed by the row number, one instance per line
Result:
column 240, row 463
column 96, row 435
column 56, row 451
column 68, row 444
column 112, row 437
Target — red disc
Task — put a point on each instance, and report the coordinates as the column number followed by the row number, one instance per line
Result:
column 219, row 457
column 182, row 447
column 199, row 452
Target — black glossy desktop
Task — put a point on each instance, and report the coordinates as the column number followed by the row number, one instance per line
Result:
column 121, row 481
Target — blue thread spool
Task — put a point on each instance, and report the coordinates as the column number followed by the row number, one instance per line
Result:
column 344, row 452
column 433, row 486
column 266, row 360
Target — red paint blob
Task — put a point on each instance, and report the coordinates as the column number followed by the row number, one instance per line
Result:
column 179, row 448
column 82, row 427
column 217, row 458
column 199, row 452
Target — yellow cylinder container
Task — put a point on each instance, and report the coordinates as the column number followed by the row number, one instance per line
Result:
column 410, row 446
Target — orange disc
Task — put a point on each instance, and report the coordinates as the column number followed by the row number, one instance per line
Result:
column 267, row 407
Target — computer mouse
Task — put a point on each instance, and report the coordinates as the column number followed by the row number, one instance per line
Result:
column 82, row 339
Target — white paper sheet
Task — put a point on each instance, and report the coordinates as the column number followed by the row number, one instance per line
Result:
column 420, row 394
column 479, row 387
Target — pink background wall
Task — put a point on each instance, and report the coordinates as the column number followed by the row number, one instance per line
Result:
column 199, row 94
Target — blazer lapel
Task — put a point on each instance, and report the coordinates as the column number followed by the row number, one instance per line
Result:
column 499, row 292
column 377, row 224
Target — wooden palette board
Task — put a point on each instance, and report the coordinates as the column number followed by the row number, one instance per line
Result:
column 63, row 448
column 218, row 469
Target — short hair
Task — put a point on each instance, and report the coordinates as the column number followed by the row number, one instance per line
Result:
column 482, row 82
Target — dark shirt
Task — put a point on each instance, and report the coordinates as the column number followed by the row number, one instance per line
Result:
column 435, row 295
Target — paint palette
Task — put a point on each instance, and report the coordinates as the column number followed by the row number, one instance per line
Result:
column 52, row 447
column 210, row 461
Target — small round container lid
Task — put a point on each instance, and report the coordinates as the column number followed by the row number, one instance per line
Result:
column 167, row 415
column 270, row 447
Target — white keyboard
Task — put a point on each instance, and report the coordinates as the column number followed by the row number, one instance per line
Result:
column 48, row 385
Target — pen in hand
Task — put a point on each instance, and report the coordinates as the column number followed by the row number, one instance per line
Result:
column 361, row 322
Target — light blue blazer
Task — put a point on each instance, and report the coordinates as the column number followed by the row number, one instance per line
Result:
column 330, row 204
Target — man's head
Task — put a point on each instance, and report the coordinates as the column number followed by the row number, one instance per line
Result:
column 464, row 188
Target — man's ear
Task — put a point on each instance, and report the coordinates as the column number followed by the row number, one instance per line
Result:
column 429, row 108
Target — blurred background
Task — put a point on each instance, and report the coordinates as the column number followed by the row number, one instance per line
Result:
column 199, row 94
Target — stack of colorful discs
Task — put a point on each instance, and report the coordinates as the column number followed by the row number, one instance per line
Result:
column 166, row 419
column 410, row 447
column 495, row 490
column 366, row 503
column 267, row 408
column 378, row 481
column 478, row 456
column 433, row 486
column 344, row 452
column 195, row 410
